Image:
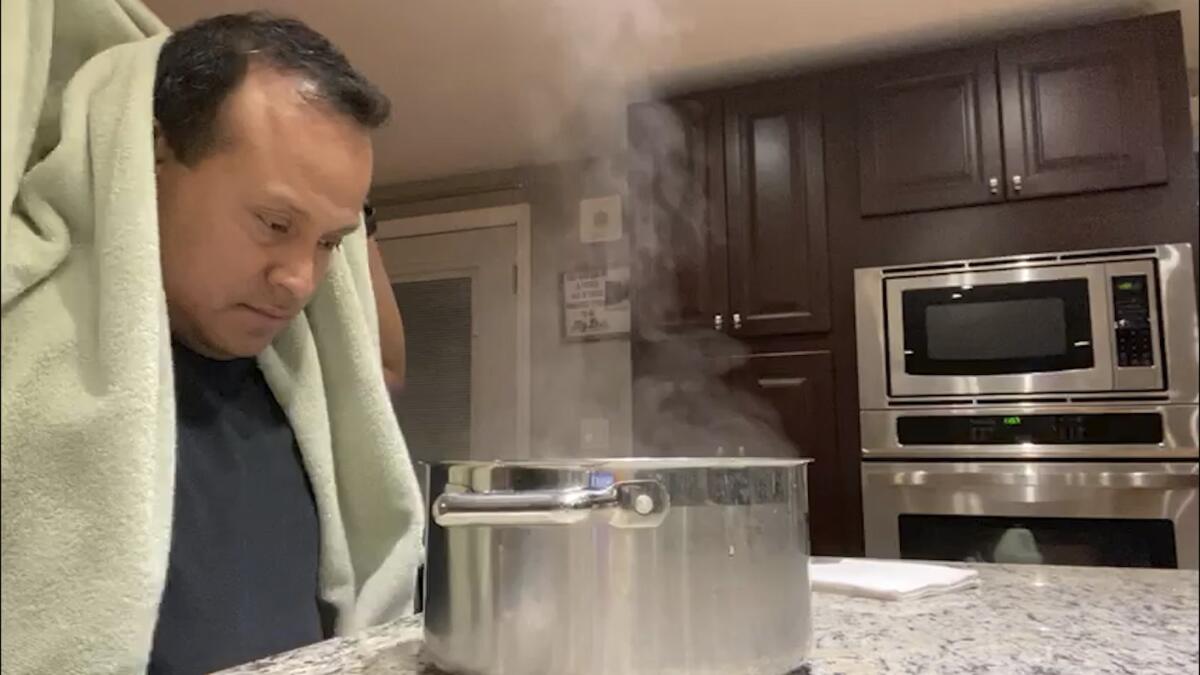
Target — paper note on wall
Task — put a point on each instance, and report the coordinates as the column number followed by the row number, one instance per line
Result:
column 596, row 303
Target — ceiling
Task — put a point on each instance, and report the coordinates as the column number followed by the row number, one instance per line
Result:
column 489, row 84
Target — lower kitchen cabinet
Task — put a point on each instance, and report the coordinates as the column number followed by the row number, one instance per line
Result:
column 788, row 407
column 755, row 405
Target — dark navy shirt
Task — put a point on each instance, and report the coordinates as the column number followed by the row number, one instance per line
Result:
column 242, row 578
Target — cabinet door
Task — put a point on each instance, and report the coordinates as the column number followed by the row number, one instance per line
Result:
column 787, row 409
column 929, row 133
column 1081, row 111
column 677, row 186
column 778, row 250
column 681, row 400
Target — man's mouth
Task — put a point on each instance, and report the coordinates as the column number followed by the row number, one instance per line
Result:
column 271, row 313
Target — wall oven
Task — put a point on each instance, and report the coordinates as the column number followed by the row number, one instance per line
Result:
column 1038, row 408
column 1113, row 514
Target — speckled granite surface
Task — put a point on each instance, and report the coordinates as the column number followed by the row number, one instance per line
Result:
column 1021, row 619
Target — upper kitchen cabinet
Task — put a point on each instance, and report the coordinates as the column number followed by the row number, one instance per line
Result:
column 929, row 133
column 677, row 187
column 775, row 182
column 1081, row 110
column 1060, row 113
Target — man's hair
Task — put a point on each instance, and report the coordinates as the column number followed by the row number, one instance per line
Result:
column 369, row 219
column 200, row 65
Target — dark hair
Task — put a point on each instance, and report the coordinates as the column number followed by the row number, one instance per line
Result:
column 200, row 65
column 369, row 219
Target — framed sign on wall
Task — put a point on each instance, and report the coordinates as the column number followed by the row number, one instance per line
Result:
column 596, row 303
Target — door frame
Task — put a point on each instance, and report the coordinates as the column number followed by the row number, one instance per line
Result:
column 517, row 215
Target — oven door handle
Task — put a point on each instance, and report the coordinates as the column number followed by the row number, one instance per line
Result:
column 1117, row 480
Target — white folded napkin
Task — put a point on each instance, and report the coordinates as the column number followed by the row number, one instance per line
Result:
column 888, row 579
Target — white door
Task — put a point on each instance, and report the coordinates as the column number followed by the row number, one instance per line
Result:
column 457, row 295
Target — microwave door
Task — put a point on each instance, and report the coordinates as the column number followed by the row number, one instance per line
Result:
column 1018, row 331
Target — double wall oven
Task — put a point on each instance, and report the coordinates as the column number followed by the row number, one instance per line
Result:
column 1038, row 408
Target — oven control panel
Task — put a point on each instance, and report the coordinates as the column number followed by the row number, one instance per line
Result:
column 1119, row 428
column 1131, row 314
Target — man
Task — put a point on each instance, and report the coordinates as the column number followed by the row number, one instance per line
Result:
column 263, row 163
column 282, row 529
column 236, row 188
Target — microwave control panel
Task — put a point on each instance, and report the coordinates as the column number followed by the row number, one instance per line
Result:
column 1131, row 314
column 1133, row 310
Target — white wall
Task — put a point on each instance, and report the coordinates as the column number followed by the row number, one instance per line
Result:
column 573, row 381
column 570, row 381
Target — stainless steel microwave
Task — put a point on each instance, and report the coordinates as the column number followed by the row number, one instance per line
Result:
column 1116, row 322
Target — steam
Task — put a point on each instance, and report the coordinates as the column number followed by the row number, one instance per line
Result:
column 611, row 51
column 691, row 384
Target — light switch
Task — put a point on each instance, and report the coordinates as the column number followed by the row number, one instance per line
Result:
column 600, row 219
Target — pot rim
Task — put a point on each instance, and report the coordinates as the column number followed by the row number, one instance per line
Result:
column 602, row 463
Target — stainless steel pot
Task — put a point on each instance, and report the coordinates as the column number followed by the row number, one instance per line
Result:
column 618, row 567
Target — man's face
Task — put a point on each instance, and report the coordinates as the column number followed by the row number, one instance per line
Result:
column 247, row 231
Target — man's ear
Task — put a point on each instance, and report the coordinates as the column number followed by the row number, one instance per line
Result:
column 162, row 149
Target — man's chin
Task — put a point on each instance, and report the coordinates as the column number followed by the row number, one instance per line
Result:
column 251, row 347
column 238, row 346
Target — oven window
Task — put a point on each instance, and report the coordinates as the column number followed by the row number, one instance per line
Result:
column 1107, row 542
column 1028, row 327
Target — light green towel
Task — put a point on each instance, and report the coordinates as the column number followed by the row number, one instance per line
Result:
column 88, row 407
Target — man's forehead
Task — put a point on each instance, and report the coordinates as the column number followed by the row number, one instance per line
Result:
column 265, row 100
column 324, row 178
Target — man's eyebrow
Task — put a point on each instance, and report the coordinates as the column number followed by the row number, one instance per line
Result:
column 282, row 201
column 344, row 231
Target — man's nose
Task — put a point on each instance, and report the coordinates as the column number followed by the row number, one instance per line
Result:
column 295, row 271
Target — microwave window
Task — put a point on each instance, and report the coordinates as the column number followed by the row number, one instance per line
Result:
column 1007, row 329
column 993, row 329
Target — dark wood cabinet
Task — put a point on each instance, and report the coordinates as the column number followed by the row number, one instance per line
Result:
column 754, row 405
column 788, row 410
column 778, row 250
column 787, row 187
column 729, row 214
column 677, row 184
column 1060, row 113
column 789, row 396
column 929, row 133
column 1081, row 111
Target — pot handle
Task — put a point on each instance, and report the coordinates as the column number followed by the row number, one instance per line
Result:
column 631, row 503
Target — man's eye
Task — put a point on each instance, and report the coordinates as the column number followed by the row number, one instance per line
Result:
column 331, row 245
column 281, row 228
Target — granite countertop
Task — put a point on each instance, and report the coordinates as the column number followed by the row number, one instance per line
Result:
column 1020, row 619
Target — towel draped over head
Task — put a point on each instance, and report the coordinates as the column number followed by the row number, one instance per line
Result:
column 88, row 403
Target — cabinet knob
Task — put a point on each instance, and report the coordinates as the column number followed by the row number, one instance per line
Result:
column 1016, row 183
column 994, row 185
column 737, row 321
column 718, row 321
